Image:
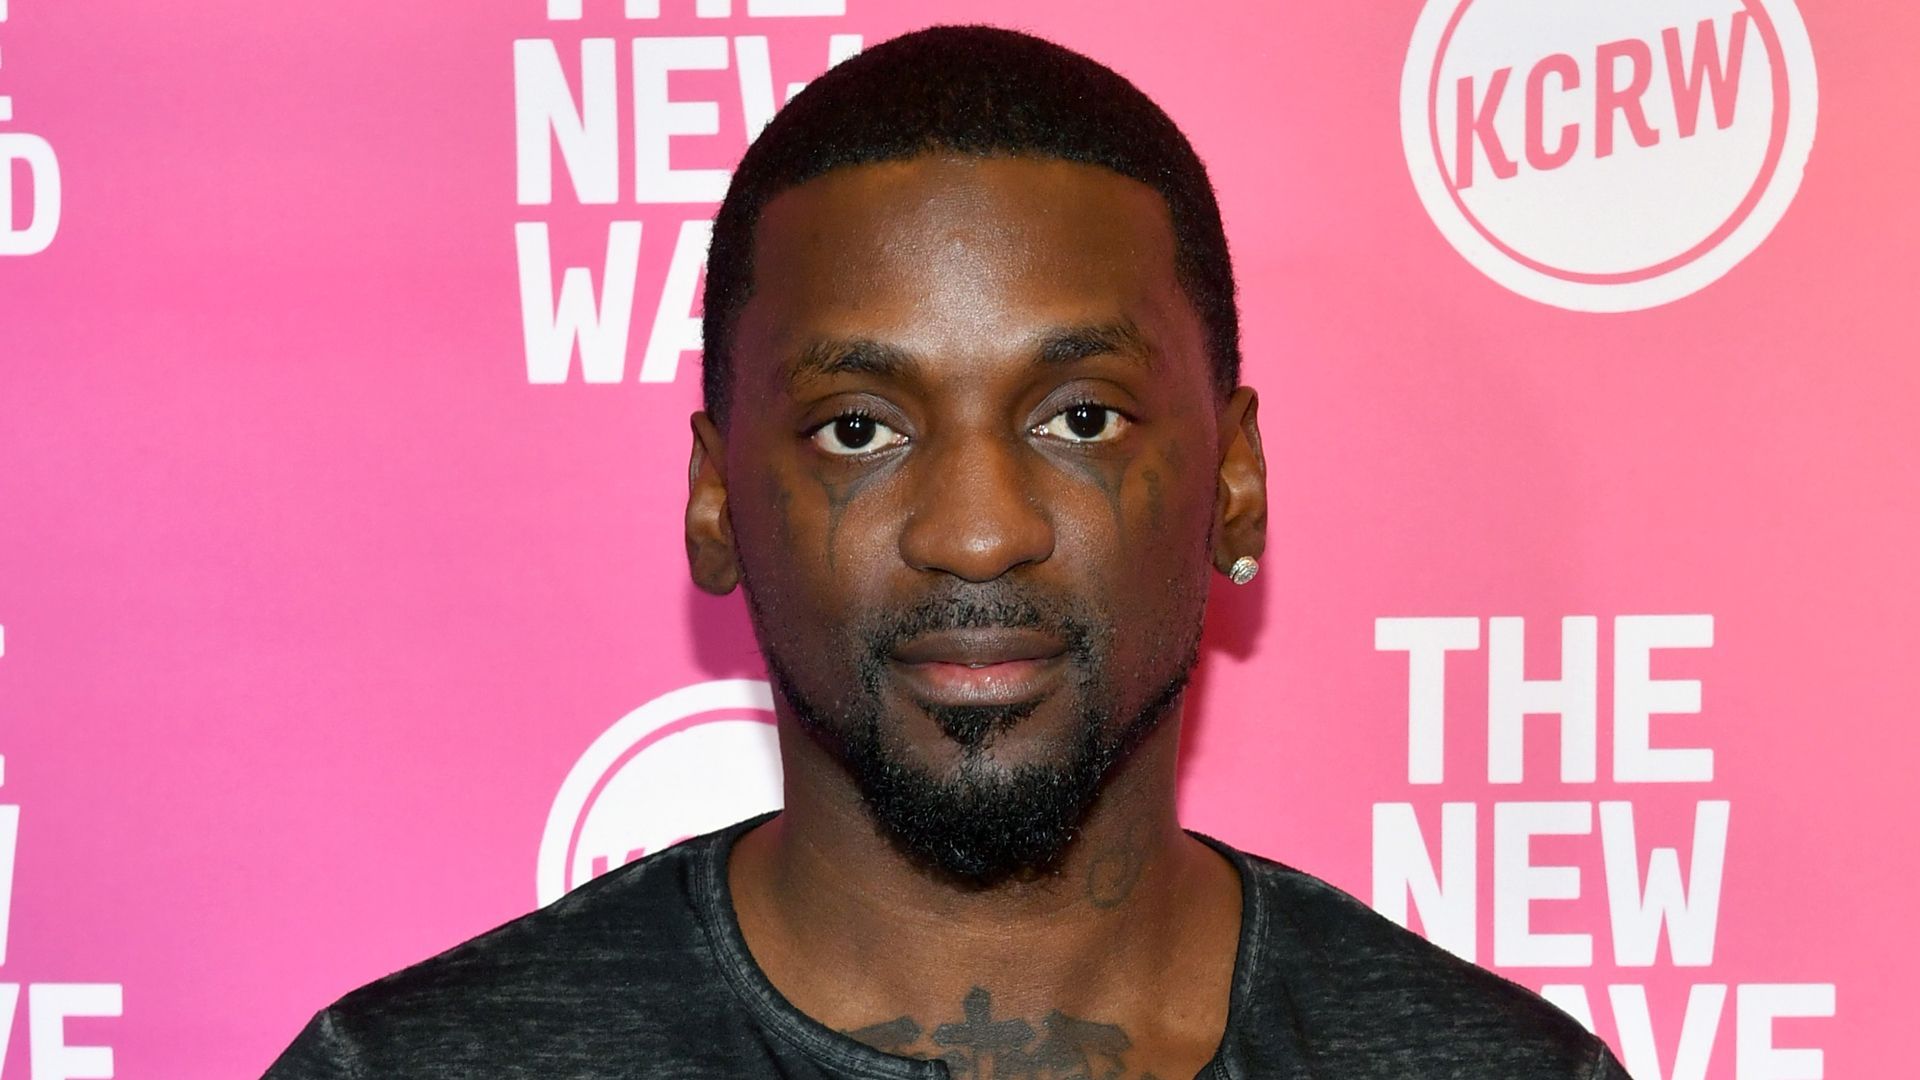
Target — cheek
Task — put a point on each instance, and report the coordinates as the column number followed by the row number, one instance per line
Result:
column 1150, row 508
column 808, row 540
column 1166, row 560
column 776, row 522
column 770, row 518
column 764, row 520
column 1170, row 498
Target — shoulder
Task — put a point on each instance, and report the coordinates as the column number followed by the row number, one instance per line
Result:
column 609, row 930
column 1371, row 998
column 625, row 942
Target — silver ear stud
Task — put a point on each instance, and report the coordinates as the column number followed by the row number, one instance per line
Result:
column 1243, row 569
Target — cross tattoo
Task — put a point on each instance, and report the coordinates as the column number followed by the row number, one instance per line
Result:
column 983, row 1038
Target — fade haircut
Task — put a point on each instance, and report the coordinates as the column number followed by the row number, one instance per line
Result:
column 975, row 91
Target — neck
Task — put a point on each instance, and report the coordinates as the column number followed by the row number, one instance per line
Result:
column 856, row 933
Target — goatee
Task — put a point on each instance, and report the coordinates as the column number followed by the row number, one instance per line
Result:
column 983, row 823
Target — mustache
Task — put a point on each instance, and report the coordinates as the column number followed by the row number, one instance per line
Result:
column 1004, row 607
column 998, row 607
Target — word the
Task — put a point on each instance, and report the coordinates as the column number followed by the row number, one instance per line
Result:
column 1573, row 697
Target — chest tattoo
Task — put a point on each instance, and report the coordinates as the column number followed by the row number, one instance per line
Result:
column 981, row 1046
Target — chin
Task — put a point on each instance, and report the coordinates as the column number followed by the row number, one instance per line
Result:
column 982, row 823
column 998, row 798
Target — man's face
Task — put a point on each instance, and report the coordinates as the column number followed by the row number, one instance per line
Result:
column 970, row 476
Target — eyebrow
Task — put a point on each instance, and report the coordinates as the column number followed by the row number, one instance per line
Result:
column 1054, row 347
column 1119, row 337
column 848, row 356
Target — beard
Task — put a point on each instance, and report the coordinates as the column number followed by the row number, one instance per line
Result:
column 981, row 822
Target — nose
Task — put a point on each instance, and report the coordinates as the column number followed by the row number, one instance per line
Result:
column 977, row 515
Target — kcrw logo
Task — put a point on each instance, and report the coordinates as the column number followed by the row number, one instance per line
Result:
column 1607, row 155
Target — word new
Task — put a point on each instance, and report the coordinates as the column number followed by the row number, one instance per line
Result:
column 1445, row 890
column 586, row 130
column 1714, row 71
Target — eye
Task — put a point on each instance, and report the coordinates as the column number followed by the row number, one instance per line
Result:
column 852, row 434
column 1084, row 423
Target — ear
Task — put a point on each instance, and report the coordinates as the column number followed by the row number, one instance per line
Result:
column 710, row 551
column 1240, row 505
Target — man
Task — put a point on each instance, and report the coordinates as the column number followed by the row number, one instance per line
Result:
column 973, row 442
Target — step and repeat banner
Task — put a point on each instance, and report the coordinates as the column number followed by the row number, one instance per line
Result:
column 346, row 353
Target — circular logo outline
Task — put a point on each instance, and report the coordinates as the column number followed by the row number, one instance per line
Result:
column 1795, row 117
column 628, row 736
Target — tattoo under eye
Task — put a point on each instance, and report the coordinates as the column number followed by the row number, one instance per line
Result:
column 840, row 490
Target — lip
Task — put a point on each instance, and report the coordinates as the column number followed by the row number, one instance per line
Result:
column 980, row 666
column 980, row 646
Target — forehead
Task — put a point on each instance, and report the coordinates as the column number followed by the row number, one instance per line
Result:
column 951, row 256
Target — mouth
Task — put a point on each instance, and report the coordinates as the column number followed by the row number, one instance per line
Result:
column 980, row 666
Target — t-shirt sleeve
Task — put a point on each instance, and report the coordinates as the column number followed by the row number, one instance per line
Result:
column 320, row 1052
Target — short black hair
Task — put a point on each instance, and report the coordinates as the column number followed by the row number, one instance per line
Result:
column 977, row 91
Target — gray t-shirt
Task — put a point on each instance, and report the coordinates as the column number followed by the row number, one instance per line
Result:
column 643, row 973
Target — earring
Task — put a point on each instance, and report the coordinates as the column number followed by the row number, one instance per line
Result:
column 1243, row 569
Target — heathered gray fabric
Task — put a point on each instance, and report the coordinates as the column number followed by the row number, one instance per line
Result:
column 643, row 973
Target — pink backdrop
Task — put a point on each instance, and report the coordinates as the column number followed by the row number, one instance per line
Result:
column 324, row 588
